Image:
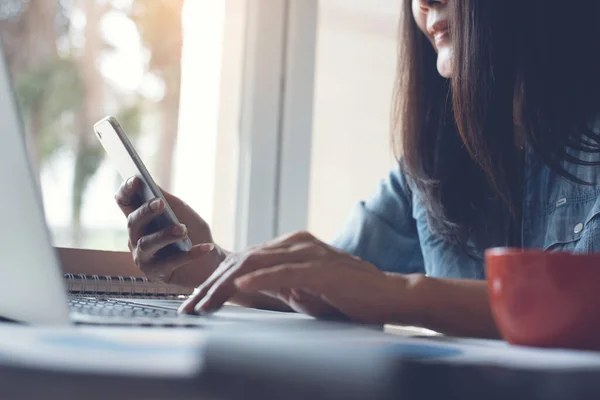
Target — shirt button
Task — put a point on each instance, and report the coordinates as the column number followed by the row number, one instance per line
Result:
column 578, row 228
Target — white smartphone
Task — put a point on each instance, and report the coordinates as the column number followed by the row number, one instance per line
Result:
column 122, row 154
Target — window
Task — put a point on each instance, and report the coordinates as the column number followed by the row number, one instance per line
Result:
column 171, row 78
column 174, row 79
column 354, row 79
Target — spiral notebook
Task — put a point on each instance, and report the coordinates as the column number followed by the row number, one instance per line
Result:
column 121, row 287
column 95, row 273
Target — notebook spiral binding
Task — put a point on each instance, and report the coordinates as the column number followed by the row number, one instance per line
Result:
column 103, row 286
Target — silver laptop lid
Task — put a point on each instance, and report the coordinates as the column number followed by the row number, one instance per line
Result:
column 31, row 284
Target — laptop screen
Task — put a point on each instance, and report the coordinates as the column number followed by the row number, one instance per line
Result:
column 31, row 288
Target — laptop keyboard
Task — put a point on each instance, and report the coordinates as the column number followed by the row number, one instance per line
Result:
column 117, row 308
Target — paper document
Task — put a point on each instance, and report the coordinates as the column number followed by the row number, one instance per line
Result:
column 127, row 351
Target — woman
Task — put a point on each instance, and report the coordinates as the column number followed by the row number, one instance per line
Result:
column 495, row 106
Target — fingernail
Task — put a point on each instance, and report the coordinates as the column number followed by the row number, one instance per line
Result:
column 207, row 247
column 242, row 282
column 130, row 182
column 155, row 204
column 179, row 230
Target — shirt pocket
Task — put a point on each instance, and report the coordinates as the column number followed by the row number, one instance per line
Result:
column 573, row 227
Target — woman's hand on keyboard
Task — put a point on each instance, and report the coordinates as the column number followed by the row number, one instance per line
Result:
column 306, row 274
column 188, row 269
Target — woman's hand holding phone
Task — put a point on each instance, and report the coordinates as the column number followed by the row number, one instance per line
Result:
column 187, row 269
column 296, row 272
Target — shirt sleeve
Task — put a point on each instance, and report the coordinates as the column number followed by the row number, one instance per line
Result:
column 383, row 231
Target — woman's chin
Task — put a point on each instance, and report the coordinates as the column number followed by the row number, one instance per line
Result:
column 445, row 64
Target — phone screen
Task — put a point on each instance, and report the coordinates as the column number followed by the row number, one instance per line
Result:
column 124, row 157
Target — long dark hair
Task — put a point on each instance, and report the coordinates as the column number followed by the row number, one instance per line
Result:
column 534, row 63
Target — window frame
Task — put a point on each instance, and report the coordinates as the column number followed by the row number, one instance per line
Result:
column 276, row 119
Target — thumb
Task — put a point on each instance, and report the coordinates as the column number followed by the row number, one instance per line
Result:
column 199, row 251
column 193, row 255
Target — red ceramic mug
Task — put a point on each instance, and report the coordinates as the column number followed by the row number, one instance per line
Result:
column 545, row 299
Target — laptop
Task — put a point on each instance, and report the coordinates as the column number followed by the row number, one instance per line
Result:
column 32, row 288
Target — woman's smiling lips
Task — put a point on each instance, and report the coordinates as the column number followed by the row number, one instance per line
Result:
column 438, row 31
column 440, row 38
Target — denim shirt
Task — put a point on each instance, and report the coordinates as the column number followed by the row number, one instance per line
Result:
column 390, row 230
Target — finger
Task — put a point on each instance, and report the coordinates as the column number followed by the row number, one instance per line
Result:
column 269, row 257
column 290, row 240
column 219, row 287
column 126, row 196
column 164, row 269
column 138, row 220
column 284, row 295
column 187, row 307
column 148, row 245
column 323, row 281
column 302, row 295
column 212, row 295
column 198, row 295
column 298, row 276
column 312, row 305
column 221, row 291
